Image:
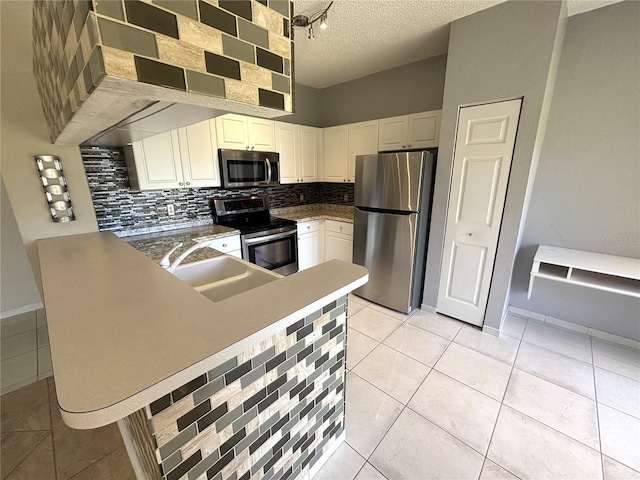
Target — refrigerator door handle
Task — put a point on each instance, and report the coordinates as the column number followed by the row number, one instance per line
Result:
column 382, row 210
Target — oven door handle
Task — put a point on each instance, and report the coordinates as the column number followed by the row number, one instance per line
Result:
column 275, row 236
column 268, row 163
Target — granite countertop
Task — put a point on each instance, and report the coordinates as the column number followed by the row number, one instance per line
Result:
column 156, row 245
column 317, row 211
column 124, row 332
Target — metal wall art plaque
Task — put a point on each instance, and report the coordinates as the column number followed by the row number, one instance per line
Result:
column 55, row 188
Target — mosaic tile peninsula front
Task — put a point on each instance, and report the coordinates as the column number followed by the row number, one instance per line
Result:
column 238, row 50
column 270, row 412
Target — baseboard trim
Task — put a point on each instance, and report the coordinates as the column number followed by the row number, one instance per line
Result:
column 20, row 310
column 574, row 327
column 491, row 331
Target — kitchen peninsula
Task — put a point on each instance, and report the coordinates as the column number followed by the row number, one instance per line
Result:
column 248, row 386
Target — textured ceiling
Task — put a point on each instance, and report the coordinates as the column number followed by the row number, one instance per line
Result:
column 369, row 36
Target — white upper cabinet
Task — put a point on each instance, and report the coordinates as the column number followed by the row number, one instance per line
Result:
column 336, row 154
column 181, row 158
column 199, row 155
column 237, row 132
column 309, row 153
column 299, row 147
column 363, row 140
column 408, row 132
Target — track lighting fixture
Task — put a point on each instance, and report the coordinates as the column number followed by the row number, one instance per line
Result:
column 304, row 21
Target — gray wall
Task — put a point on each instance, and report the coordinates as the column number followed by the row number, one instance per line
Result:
column 416, row 87
column 307, row 108
column 587, row 190
column 503, row 52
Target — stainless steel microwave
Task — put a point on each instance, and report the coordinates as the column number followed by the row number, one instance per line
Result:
column 246, row 168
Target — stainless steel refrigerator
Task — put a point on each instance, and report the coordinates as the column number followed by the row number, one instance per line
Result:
column 393, row 193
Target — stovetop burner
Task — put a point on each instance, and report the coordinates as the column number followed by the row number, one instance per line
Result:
column 249, row 214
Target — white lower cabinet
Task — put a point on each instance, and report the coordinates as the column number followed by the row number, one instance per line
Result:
column 229, row 245
column 309, row 244
column 338, row 241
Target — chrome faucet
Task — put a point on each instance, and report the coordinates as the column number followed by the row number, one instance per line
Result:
column 201, row 244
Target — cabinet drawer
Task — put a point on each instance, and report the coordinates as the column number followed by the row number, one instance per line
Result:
column 308, row 227
column 227, row 244
column 339, row 227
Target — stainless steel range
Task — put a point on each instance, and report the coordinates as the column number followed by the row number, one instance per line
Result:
column 267, row 241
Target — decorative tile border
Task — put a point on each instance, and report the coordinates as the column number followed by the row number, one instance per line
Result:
column 232, row 49
column 127, row 212
column 271, row 412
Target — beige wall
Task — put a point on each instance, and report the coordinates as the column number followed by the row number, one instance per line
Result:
column 24, row 134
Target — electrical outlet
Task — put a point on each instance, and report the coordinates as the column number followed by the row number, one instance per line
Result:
column 346, row 197
column 302, row 197
column 171, row 210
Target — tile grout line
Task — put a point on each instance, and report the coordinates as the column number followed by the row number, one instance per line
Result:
column 595, row 399
column 493, row 431
column 29, row 454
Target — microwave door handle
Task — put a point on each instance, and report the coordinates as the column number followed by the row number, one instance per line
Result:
column 268, row 179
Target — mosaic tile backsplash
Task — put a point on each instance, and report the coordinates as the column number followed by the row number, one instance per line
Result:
column 122, row 210
column 237, row 50
column 268, row 413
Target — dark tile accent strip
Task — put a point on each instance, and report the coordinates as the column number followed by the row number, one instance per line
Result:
column 256, row 445
column 203, row 83
column 336, row 331
column 185, row 466
column 268, row 401
column 303, row 332
column 322, row 359
column 218, row 19
column 229, row 418
column 298, row 388
column 189, row 387
column 277, row 383
column 254, row 400
column 237, row 372
column 212, row 416
column 328, row 326
column 219, row 65
column 307, row 391
column 208, row 390
column 275, row 361
column 204, row 465
column 280, row 6
column 272, row 462
column 285, row 27
column 148, row 16
column 246, row 476
column 269, row 60
column 220, row 464
column 279, row 424
column 278, row 445
column 270, row 422
column 229, row 444
column 304, row 353
column 241, row 8
column 296, row 326
column 160, row 404
column 306, row 410
column 183, row 7
column 329, row 307
column 157, row 73
column 172, row 461
column 190, row 417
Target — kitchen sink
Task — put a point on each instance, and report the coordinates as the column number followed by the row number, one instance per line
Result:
column 225, row 276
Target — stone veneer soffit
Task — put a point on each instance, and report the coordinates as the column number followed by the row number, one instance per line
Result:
column 98, row 62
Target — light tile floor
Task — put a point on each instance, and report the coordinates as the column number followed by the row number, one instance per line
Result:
column 426, row 397
column 430, row 397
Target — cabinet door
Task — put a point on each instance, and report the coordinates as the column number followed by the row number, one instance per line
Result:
column 232, row 132
column 199, row 155
column 308, row 150
column 286, row 146
column 393, row 133
column 157, row 162
column 336, row 153
column 338, row 246
column 261, row 134
column 424, row 129
column 363, row 140
column 308, row 250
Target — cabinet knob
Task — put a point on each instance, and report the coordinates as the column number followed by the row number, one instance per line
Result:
column 409, row 146
column 180, row 183
column 188, row 183
column 224, row 245
column 253, row 147
column 308, row 227
column 340, row 228
column 247, row 147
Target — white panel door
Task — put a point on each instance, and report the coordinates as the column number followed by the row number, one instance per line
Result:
column 393, row 133
column 261, row 134
column 485, row 139
column 232, row 132
column 308, row 153
column 336, row 153
column 199, row 155
column 157, row 161
column 424, row 129
column 363, row 140
column 286, row 146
